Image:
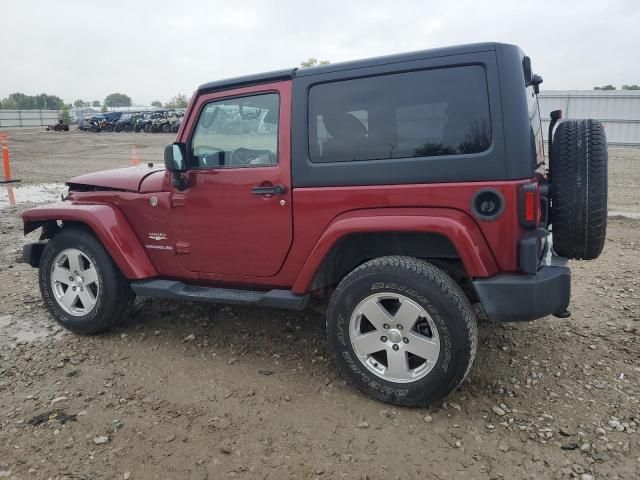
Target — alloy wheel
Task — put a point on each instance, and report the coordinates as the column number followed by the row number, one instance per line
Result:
column 394, row 337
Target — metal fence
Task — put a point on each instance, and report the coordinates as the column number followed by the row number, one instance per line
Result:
column 28, row 118
column 618, row 110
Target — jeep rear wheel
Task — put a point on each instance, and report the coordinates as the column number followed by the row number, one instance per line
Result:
column 81, row 285
column 403, row 330
column 579, row 189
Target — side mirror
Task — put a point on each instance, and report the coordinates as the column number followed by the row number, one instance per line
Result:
column 174, row 162
column 174, row 157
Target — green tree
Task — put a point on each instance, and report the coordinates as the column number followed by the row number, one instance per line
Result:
column 20, row 101
column 8, row 104
column 631, row 87
column 117, row 100
column 605, row 87
column 64, row 114
column 156, row 103
column 313, row 62
column 79, row 103
column 48, row 102
column 179, row 101
column 95, row 103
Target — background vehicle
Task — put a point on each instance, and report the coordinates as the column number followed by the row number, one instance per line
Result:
column 59, row 127
column 416, row 185
column 125, row 122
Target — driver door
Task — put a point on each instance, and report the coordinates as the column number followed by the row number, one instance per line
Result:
column 235, row 218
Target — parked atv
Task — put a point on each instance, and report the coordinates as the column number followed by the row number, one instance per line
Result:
column 141, row 122
column 61, row 126
column 158, row 123
column 125, row 123
column 175, row 126
column 107, row 125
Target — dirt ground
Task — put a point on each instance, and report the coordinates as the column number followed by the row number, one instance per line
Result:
column 192, row 391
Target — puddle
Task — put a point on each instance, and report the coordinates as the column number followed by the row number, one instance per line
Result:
column 14, row 194
column 26, row 328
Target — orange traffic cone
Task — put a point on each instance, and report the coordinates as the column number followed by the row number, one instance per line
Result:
column 4, row 144
column 134, row 156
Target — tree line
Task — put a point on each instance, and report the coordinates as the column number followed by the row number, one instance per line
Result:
column 624, row 87
column 43, row 101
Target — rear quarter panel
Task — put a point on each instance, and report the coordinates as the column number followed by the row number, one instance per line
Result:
column 495, row 242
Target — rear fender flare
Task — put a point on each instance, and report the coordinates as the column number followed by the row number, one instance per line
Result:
column 108, row 223
column 458, row 227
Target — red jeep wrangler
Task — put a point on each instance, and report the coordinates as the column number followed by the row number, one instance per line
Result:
column 403, row 189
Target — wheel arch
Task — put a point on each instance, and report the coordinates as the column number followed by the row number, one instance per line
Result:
column 106, row 222
column 449, row 238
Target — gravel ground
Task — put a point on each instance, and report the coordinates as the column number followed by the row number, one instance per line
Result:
column 190, row 391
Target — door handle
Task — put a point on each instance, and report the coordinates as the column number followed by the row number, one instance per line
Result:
column 272, row 190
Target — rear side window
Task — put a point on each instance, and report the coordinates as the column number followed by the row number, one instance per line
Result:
column 414, row 114
column 536, row 127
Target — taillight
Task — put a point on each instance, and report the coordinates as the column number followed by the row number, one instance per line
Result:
column 530, row 205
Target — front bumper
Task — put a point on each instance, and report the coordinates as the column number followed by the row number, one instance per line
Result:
column 520, row 298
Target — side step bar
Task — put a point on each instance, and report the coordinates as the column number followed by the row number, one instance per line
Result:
column 172, row 289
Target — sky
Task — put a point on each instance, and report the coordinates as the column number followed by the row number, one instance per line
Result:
column 152, row 50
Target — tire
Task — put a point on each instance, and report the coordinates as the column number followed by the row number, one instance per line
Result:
column 579, row 186
column 127, row 127
column 436, row 317
column 117, row 128
column 166, row 128
column 147, row 128
column 110, row 292
column 137, row 128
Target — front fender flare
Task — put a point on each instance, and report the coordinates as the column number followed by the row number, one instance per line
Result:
column 458, row 227
column 108, row 223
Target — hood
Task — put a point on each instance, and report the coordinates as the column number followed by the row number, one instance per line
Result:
column 128, row 179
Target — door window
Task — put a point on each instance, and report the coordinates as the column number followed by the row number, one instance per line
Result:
column 237, row 132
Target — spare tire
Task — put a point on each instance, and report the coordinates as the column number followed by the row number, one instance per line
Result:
column 578, row 174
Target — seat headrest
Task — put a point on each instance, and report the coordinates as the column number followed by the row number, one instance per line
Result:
column 344, row 125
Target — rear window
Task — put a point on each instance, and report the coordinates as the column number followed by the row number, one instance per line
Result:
column 414, row 114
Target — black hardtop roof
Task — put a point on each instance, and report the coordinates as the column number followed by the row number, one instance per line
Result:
column 289, row 73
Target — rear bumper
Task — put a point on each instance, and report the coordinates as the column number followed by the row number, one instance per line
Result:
column 520, row 298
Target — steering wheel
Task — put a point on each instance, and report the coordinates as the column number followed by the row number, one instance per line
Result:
column 247, row 156
column 241, row 156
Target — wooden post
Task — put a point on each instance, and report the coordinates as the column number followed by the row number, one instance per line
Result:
column 134, row 155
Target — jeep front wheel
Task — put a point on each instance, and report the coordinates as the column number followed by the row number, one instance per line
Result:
column 81, row 285
column 403, row 330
